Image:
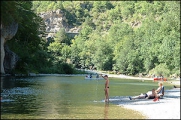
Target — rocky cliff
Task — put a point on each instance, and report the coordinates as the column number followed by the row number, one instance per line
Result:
column 7, row 32
column 54, row 21
column 10, row 60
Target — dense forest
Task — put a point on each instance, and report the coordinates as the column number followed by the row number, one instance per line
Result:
column 128, row 37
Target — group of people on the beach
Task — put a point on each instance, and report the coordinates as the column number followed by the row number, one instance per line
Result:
column 154, row 94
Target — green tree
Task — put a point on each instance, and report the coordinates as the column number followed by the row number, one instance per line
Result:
column 66, row 51
column 10, row 12
column 27, row 42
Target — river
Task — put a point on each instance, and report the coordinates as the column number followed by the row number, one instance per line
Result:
column 66, row 97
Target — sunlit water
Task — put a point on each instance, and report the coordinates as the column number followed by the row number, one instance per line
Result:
column 68, row 97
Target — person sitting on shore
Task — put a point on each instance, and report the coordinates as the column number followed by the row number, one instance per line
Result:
column 155, row 94
column 159, row 93
column 148, row 95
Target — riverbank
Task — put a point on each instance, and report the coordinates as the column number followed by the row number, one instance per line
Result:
column 173, row 81
column 125, row 76
column 166, row 108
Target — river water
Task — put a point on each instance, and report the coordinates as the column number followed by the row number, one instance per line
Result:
column 63, row 97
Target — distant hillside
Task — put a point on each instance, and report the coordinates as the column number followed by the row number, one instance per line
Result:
column 127, row 37
column 56, row 20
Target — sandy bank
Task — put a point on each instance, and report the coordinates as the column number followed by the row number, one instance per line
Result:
column 174, row 82
column 129, row 77
column 166, row 108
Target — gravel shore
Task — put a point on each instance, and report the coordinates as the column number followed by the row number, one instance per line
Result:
column 166, row 108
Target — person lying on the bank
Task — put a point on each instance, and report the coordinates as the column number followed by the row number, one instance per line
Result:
column 155, row 94
column 148, row 95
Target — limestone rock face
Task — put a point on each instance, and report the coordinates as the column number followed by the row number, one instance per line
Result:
column 54, row 21
column 10, row 60
column 7, row 32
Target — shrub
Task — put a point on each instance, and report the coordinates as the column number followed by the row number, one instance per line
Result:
column 159, row 70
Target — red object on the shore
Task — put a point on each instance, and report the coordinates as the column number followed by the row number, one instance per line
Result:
column 156, row 99
column 164, row 79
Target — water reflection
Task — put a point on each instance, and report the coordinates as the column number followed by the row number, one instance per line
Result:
column 58, row 97
column 40, row 96
column 17, row 97
column 54, row 97
column 106, row 109
column 6, row 82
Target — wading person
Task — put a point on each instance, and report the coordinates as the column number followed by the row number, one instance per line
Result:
column 106, row 88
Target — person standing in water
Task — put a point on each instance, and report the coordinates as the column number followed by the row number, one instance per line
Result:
column 106, row 88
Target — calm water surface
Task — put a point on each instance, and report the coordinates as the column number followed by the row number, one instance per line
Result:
column 67, row 97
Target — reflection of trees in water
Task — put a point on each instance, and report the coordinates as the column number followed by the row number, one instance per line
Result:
column 7, row 82
column 16, row 95
column 106, row 109
column 55, row 98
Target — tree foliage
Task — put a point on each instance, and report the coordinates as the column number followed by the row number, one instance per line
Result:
column 130, row 37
